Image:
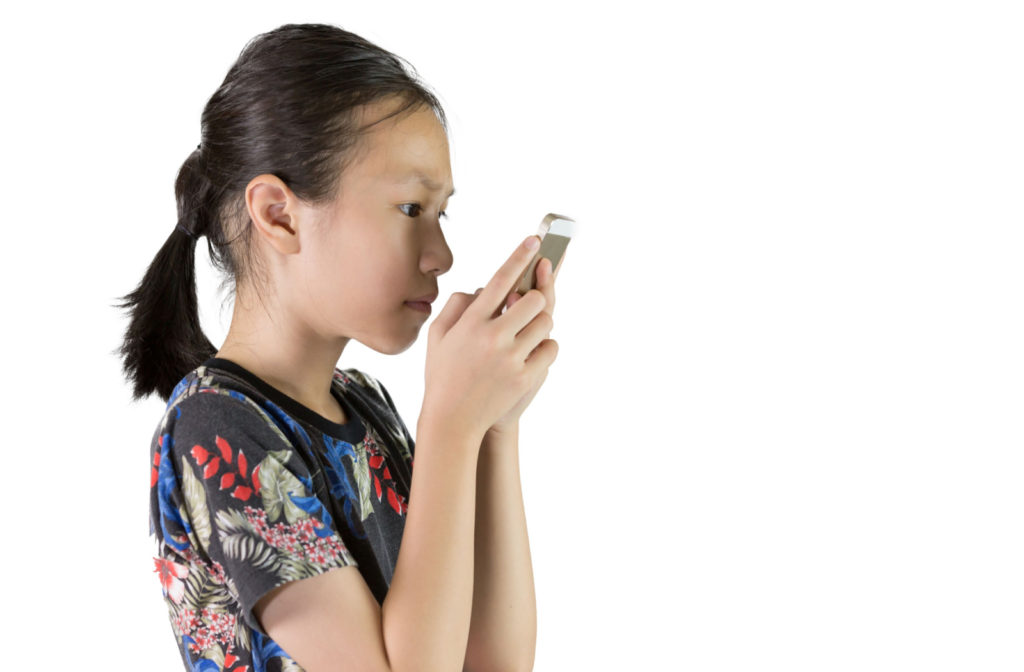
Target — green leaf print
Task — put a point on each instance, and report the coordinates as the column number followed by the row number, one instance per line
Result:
column 241, row 541
column 403, row 445
column 216, row 654
column 201, row 591
column 281, row 456
column 362, row 379
column 275, row 484
column 195, row 500
column 289, row 665
column 361, row 470
column 242, row 635
column 194, row 584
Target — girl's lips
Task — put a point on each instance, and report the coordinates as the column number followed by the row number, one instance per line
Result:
column 422, row 306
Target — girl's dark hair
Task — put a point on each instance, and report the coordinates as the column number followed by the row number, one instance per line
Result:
column 288, row 106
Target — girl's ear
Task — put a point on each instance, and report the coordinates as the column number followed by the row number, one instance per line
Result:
column 274, row 210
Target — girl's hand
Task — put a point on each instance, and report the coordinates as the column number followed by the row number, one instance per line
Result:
column 546, row 284
column 482, row 360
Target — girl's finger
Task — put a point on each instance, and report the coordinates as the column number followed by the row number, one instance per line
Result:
column 504, row 280
column 547, row 284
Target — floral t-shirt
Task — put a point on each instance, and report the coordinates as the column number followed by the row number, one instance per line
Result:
column 251, row 489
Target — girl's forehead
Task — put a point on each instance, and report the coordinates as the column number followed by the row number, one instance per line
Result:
column 410, row 147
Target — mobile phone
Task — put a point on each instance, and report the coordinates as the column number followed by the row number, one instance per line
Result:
column 555, row 232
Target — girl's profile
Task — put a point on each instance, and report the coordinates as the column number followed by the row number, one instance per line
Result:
column 292, row 530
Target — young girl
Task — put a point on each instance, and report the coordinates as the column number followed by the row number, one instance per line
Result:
column 320, row 183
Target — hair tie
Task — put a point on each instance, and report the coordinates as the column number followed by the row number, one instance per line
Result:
column 187, row 232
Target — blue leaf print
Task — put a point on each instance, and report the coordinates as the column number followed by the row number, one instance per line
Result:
column 201, row 664
column 279, row 416
column 313, row 506
column 336, row 449
column 263, row 649
column 167, row 483
column 182, row 384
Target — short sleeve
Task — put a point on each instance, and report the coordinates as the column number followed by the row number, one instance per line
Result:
column 248, row 498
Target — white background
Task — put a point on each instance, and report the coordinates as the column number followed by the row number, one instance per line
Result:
column 784, row 427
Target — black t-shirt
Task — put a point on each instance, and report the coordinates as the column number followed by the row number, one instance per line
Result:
column 250, row 489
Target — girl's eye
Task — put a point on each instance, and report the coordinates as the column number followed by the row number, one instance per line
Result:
column 417, row 209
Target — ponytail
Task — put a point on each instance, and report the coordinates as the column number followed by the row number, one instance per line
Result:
column 164, row 340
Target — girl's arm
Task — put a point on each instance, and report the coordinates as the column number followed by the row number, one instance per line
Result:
column 503, row 629
column 332, row 623
column 426, row 613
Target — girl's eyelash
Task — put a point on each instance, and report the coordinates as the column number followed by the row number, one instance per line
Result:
column 418, row 208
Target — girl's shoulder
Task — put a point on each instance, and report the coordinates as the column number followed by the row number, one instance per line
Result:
column 219, row 391
column 209, row 383
column 209, row 397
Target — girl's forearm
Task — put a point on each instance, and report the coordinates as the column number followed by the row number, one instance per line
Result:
column 503, row 628
column 426, row 614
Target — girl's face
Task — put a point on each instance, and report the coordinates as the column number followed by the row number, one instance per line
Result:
column 380, row 243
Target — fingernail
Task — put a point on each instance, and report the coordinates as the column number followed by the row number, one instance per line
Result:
column 532, row 243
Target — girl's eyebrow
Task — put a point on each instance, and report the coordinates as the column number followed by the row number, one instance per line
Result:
column 427, row 182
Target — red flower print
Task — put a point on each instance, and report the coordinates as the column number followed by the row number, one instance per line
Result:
column 225, row 448
column 378, row 466
column 215, row 570
column 397, row 502
column 298, row 538
column 171, row 575
column 238, row 479
column 153, row 475
column 200, row 454
column 227, row 480
column 211, row 468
